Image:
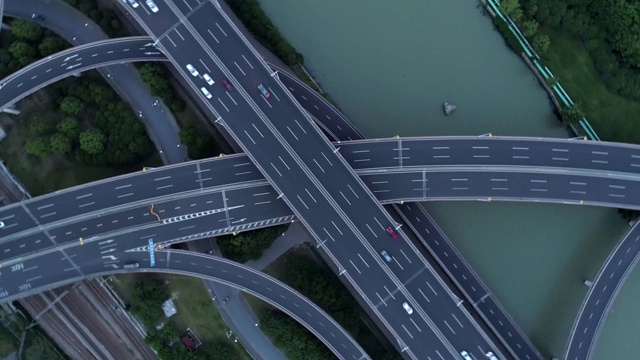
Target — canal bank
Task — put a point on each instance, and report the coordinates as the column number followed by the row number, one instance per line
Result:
column 390, row 68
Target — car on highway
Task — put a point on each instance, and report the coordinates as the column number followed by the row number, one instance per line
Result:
column 192, row 70
column 466, row 356
column 133, row 265
column 407, row 308
column 227, row 85
column 264, row 91
column 208, row 79
column 206, row 92
column 392, row 232
column 490, row 356
column 385, row 255
column 1, row 224
column 37, row 17
column 134, row 4
column 152, row 6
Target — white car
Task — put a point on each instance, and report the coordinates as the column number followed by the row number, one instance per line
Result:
column 152, row 6
column 386, row 255
column 208, row 79
column 465, row 355
column 490, row 356
column 192, row 70
column 407, row 307
column 133, row 3
column 1, row 224
column 206, row 92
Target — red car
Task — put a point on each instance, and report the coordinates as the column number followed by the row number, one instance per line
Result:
column 227, row 84
column 392, row 232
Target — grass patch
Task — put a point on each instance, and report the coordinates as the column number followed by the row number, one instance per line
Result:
column 611, row 115
column 195, row 308
column 42, row 176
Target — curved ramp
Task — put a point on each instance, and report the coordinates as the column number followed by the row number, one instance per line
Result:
column 232, row 274
column 73, row 61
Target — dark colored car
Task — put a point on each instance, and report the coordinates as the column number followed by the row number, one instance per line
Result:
column 227, row 85
column 392, row 232
column 264, row 91
column 37, row 17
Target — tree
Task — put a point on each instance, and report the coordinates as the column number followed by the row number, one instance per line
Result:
column 92, row 141
column 72, row 105
column 529, row 28
column 51, row 45
column 60, row 144
column 573, row 114
column 621, row 18
column 69, row 127
column 26, row 30
column 37, row 146
column 146, row 302
column 23, row 52
column 154, row 75
column 199, row 145
column 541, row 43
column 248, row 245
column 511, row 8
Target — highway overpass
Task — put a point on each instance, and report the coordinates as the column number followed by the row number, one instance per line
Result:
column 73, row 61
column 596, row 160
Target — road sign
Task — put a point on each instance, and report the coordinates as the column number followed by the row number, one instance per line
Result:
column 152, row 255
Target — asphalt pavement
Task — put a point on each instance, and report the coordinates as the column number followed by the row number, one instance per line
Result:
column 268, row 141
column 63, row 20
column 602, row 158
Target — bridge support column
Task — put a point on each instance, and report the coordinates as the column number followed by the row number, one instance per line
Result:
column 588, row 283
column 12, row 110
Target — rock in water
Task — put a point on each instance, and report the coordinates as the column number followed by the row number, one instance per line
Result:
column 448, row 108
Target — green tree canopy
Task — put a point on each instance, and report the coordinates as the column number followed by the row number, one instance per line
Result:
column 26, row 30
column 249, row 245
column 69, row 127
column 37, row 146
column 72, row 105
column 92, row 141
column 60, row 144
column 23, row 53
column 146, row 303
column 51, row 45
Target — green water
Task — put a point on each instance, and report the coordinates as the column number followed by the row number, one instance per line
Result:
column 389, row 66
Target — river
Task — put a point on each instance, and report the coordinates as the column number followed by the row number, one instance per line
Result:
column 390, row 68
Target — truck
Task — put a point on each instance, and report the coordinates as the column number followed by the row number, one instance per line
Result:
column 133, row 265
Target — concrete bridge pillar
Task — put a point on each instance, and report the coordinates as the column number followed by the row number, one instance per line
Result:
column 12, row 110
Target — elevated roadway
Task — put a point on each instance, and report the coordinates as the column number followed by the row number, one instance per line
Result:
column 75, row 28
column 595, row 161
column 602, row 295
column 224, row 271
column 72, row 61
column 266, row 141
